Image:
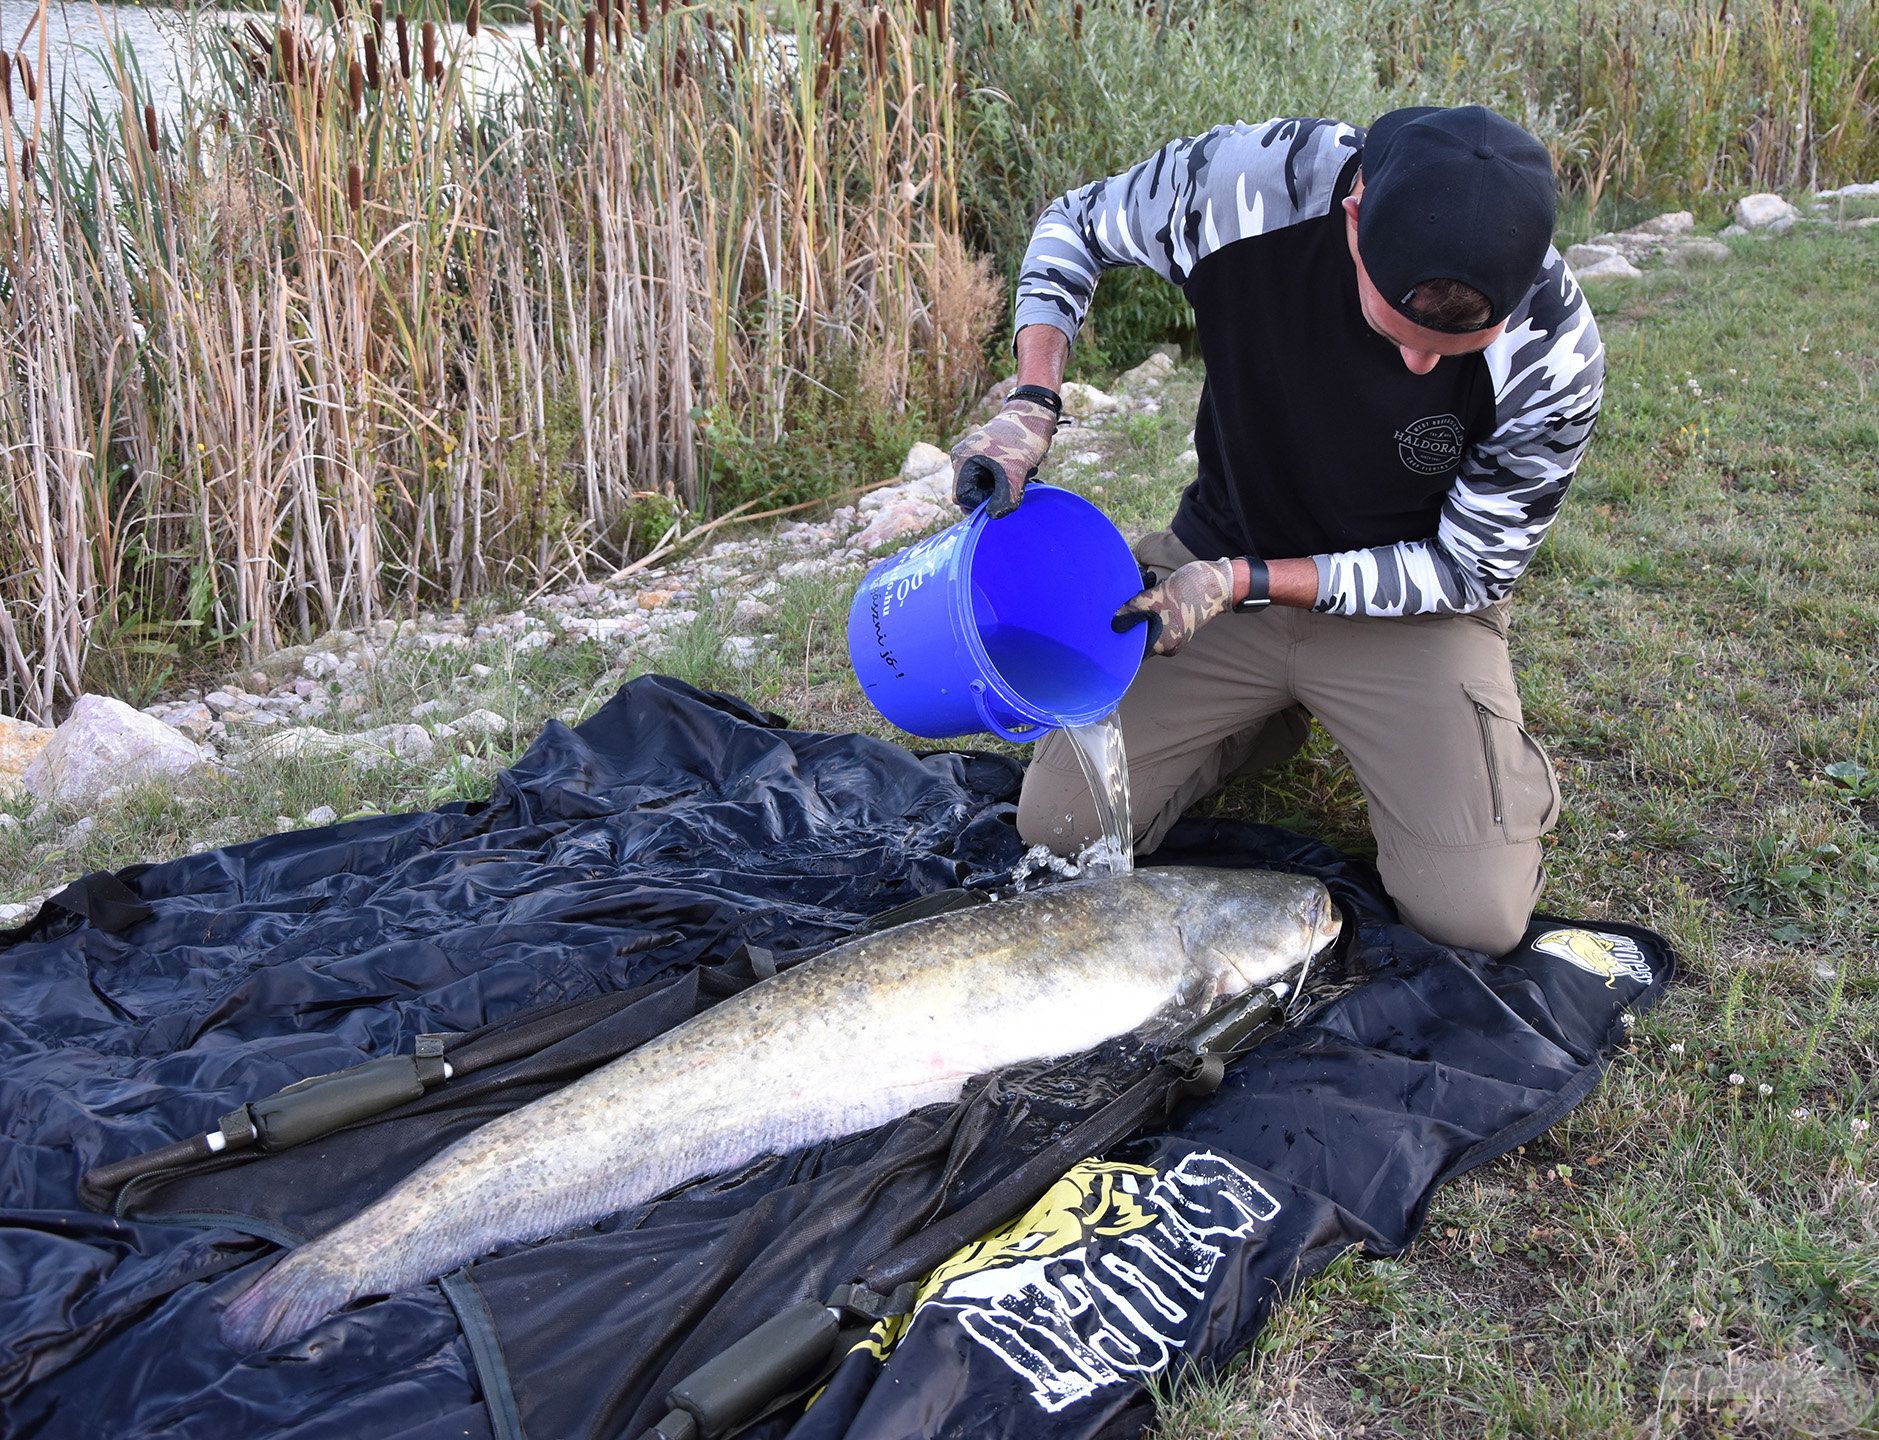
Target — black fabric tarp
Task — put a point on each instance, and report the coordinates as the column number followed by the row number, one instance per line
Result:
column 622, row 876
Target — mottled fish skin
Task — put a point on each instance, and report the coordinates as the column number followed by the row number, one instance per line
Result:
column 861, row 1035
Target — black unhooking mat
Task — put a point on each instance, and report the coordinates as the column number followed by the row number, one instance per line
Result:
column 623, row 875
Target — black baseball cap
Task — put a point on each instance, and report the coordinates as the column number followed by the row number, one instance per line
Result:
column 1454, row 194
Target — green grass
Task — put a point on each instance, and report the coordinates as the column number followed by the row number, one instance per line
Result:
column 1696, row 643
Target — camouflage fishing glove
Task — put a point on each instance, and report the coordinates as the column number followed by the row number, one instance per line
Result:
column 1177, row 607
column 996, row 461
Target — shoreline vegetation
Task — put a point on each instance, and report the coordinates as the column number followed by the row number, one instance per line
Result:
column 358, row 330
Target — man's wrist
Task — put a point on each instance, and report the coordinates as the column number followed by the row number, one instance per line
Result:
column 1252, row 584
column 1038, row 394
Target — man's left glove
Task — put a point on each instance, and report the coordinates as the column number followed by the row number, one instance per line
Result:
column 996, row 461
column 1177, row 607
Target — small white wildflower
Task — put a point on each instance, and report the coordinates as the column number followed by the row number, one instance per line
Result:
column 1676, row 1047
column 1735, row 1077
column 1859, row 1127
column 1764, row 1089
column 1798, row 1114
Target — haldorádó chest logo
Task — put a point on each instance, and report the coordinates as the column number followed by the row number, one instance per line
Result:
column 1430, row 445
column 1596, row 953
column 1098, row 1282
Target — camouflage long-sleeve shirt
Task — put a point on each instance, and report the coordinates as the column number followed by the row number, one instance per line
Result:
column 1412, row 494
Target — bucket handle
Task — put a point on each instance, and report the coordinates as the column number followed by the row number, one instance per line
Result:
column 1003, row 732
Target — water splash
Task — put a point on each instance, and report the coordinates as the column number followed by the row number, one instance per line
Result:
column 1099, row 752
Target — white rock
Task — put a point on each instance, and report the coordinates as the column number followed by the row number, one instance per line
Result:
column 1148, row 375
column 283, row 822
column 9, row 822
column 1696, row 250
column 1759, row 212
column 602, row 629
column 481, row 672
column 103, row 744
column 389, row 742
column 13, row 915
column 749, row 611
column 924, row 460
column 1852, row 192
column 220, row 700
column 299, row 742
column 1608, row 266
column 1673, row 222
column 1188, row 459
column 20, row 743
column 320, row 815
column 1866, row 224
column 1733, row 231
column 479, row 722
column 899, row 519
column 426, row 707
column 319, row 664
column 741, row 651
column 534, row 640
column 1080, row 399
column 1782, row 225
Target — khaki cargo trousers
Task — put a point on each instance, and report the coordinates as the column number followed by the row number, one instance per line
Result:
column 1424, row 707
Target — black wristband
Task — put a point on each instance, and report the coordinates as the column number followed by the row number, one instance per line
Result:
column 1258, row 586
column 1041, row 394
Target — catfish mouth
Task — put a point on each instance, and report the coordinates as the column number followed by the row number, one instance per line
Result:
column 1326, row 921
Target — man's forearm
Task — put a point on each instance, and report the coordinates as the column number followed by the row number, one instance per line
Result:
column 1043, row 351
column 1289, row 582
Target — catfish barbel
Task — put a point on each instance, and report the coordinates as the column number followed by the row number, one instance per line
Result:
column 925, row 1005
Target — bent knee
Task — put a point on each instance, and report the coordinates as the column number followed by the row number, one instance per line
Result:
column 1054, row 807
column 1471, row 899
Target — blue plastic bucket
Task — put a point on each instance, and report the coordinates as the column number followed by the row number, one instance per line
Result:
column 1000, row 625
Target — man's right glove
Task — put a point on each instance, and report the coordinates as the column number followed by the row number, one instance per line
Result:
column 996, row 461
column 1177, row 607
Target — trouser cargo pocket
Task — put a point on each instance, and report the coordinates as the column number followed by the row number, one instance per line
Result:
column 1523, row 790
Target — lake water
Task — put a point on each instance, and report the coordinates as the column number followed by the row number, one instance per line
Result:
column 166, row 43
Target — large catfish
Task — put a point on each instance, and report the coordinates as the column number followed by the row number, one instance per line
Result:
column 929, row 1004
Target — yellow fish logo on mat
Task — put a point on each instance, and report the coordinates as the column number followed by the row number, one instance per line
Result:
column 1100, row 1282
column 1597, row 953
column 1090, row 1199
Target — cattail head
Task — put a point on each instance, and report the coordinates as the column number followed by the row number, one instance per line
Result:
column 339, row 11
column 6, row 84
column 645, row 20
column 473, row 19
column 151, row 137
column 355, row 187
column 590, row 28
column 29, row 82
column 371, row 62
column 404, row 48
column 1076, row 20
column 430, row 48
column 541, row 25
column 355, row 83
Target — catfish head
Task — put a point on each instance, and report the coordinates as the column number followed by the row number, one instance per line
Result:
column 1244, row 928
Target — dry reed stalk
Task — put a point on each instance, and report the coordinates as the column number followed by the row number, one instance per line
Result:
column 328, row 408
